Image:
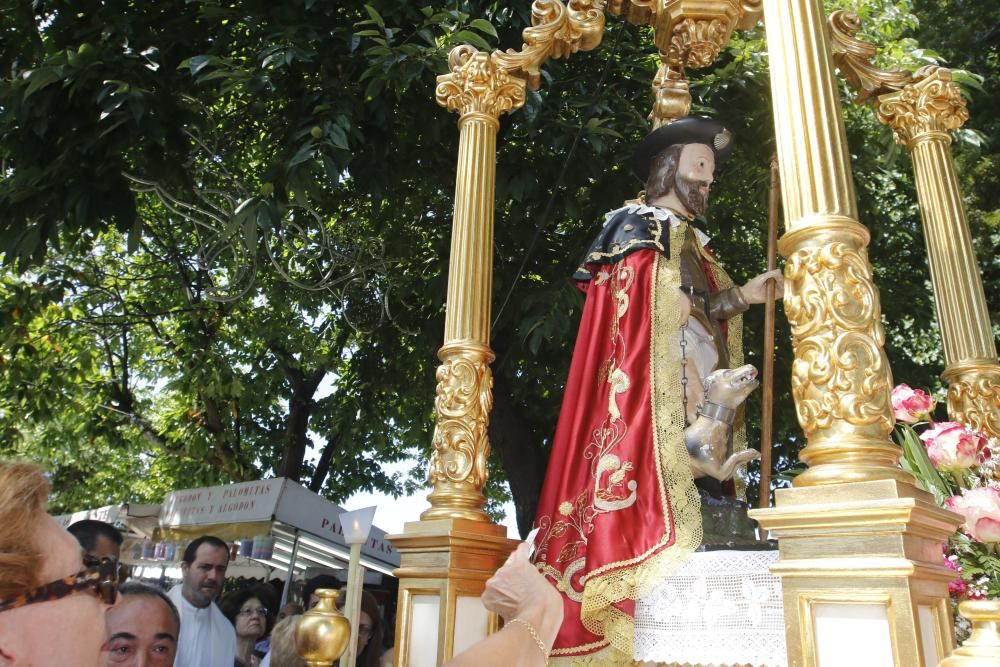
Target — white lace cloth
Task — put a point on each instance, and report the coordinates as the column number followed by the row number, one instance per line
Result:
column 720, row 608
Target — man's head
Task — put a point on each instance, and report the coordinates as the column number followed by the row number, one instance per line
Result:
column 686, row 171
column 204, row 569
column 309, row 597
column 35, row 551
column 677, row 162
column 143, row 628
column 98, row 539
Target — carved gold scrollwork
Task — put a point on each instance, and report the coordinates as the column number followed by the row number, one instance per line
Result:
column 697, row 42
column 463, row 403
column 840, row 372
column 974, row 397
column 911, row 103
column 672, row 95
column 477, row 85
column 460, row 446
column 853, row 57
column 932, row 103
column 688, row 34
column 557, row 31
column 493, row 83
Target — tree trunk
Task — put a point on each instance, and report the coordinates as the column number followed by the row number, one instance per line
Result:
column 521, row 454
column 323, row 466
column 300, row 406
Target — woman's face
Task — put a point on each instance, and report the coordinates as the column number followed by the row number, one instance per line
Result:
column 365, row 628
column 251, row 619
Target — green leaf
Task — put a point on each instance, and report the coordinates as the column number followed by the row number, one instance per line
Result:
column 195, row 63
column 40, row 78
column 484, row 26
column 375, row 16
column 468, row 37
column 920, row 462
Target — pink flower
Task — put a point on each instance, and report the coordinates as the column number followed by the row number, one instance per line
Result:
column 958, row 588
column 988, row 530
column 952, row 446
column 981, row 509
column 910, row 405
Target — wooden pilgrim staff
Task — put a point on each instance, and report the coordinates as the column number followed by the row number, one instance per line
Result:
column 767, row 372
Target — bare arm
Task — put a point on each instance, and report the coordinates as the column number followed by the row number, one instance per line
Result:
column 517, row 591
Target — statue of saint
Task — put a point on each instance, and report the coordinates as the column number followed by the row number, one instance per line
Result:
column 619, row 508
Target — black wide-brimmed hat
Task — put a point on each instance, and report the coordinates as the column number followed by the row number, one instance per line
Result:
column 687, row 130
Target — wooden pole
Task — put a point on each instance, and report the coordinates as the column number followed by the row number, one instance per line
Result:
column 767, row 372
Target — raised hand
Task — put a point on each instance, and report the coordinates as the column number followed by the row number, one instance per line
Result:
column 755, row 291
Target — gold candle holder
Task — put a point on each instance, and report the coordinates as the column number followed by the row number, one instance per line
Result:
column 322, row 633
column 982, row 648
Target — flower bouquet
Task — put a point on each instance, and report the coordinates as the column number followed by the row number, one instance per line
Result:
column 958, row 466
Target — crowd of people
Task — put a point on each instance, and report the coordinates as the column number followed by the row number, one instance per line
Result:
column 61, row 602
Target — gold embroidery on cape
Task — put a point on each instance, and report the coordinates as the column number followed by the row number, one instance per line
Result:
column 631, row 579
column 608, row 498
column 611, row 491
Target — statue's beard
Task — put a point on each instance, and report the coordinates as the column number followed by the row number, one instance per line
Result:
column 689, row 193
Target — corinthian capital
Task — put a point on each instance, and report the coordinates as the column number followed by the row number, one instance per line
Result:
column 931, row 103
column 478, row 85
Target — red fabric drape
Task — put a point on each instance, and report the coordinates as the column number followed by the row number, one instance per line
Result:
column 602, row 505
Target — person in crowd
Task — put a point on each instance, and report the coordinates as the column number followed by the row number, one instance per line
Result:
column 207, row 637
column 47, row 590
column 98, row 539
column 309, row 597
column 250, row 610
column 143, row 628
column 369, row 647
column 532, row 611
column 283, row 651
column 290, row 609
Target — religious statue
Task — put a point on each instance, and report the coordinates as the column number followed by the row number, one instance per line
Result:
column 650, row 398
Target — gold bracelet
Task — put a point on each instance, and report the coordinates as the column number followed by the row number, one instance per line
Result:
column 534, row 635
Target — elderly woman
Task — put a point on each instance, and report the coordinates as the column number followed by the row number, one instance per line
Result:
column 47, row 590
column 251, row 611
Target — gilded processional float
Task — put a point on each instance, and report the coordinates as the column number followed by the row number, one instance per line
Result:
column 859, row 560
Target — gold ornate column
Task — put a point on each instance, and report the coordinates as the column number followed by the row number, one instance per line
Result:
column 862, row 575
column 480, row 92
column 448, row 555
column 921, row 114
column 922, row 108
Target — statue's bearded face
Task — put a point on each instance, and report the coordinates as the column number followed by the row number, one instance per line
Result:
column 692, row 194
column 695, row 174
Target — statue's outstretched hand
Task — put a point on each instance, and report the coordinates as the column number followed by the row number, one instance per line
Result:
column 755, row 291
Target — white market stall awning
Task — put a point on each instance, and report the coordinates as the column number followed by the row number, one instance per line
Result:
column 137, row 518
column 279, row 506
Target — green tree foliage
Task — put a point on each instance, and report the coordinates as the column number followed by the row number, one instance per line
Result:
column 227, row 227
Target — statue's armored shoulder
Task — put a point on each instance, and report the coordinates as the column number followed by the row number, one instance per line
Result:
column 625, row 231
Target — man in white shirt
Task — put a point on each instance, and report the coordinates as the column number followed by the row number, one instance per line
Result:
column 207, row 638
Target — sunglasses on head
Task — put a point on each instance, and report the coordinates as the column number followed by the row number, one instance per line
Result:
column 99, row 576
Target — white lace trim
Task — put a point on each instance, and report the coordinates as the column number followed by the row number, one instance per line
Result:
column 659, row 213
column 720, row 608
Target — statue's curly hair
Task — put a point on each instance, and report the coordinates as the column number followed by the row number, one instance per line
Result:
column 24, row 493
